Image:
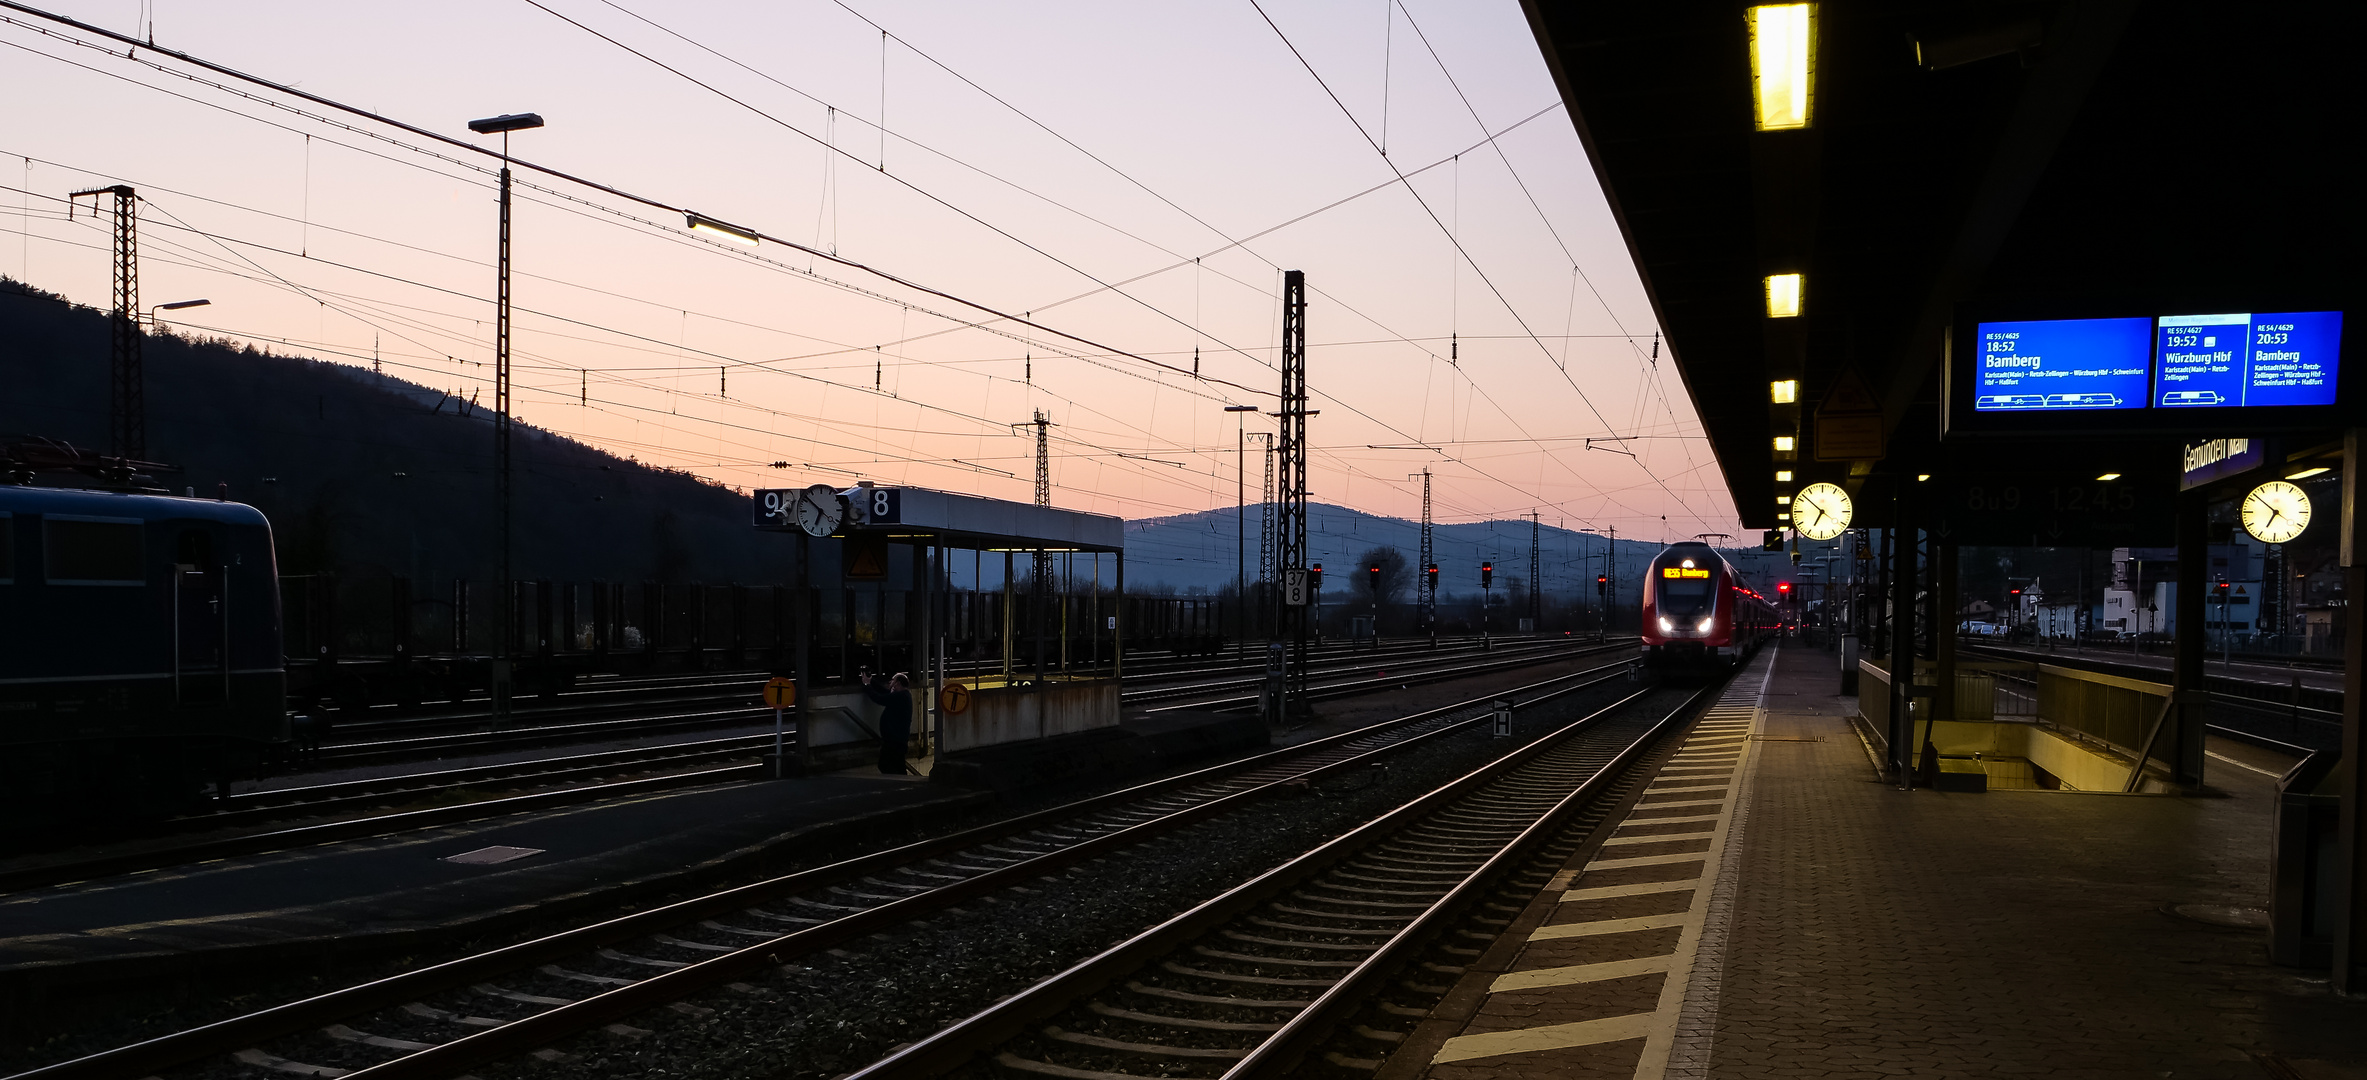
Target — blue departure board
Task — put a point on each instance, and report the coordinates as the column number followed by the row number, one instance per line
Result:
column 2291, row 358
column 2045, row 365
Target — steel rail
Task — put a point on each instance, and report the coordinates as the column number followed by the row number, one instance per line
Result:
column 358, row 828
column 1422, row 670
column 68, row 872
column 958, row 1044
column 1361, row 687
column 1281, row 1053
column 236, row 1033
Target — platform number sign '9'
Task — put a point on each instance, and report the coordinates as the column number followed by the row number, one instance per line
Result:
column 876, row 505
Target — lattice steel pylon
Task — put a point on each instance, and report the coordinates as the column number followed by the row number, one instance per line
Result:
column 127, row 393
column 1426, row 583
column 1265, row 534
column 1291, row 540
column 1040, row 589
column 1536, row 584
column 1042, row 424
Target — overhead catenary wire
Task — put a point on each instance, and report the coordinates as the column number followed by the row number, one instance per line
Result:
column 585, row 182
column 1175, row 369
column 1433, row 215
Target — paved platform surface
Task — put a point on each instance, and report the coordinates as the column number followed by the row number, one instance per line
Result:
column 1770, row 909
column 339, row 894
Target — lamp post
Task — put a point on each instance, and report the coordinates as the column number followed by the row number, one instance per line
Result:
column 1241, row 522
column 176, row 305
column 502, row 126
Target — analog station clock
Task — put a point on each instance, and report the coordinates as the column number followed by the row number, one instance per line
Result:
column 2276, row 512
column 1821, row 511
column 819, row 511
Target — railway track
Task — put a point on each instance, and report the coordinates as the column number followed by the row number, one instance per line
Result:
column 1332, row 956
column 726, row 699
column 521, row 999
column 536, row 784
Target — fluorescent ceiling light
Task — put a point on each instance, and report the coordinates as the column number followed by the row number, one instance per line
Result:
column 1784, row 444
column 2109, row 476
column 1783, row 296
column 1783, row 500
column 1783, row 64
column 1783, row 476
column 2306, row 473
column 1784, row 391
column 1921, row 477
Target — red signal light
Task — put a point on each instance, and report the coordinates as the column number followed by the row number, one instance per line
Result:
column 1783, row 586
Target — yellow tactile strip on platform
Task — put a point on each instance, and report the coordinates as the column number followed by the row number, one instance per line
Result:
column 1597, row 989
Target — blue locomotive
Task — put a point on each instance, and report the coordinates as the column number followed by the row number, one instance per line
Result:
column 139, row 651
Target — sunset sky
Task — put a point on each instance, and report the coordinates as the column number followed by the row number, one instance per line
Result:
column 1145, row 176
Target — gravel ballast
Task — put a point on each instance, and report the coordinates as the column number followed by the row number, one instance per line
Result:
column 830, row 1014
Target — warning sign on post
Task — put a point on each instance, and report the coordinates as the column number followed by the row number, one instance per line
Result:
column 867, row 557
column 780, row 693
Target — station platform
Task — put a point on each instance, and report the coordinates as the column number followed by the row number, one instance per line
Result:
column 1771, row 908
column 404, row 891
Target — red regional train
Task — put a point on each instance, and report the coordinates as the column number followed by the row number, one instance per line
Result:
column 1698, row 612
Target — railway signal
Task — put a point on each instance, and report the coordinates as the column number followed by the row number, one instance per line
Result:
column 1487, row 573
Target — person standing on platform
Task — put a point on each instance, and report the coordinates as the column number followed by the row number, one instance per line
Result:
column 894, row 698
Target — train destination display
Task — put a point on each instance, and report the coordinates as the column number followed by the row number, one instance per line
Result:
column 2281, row 359
column 2242, row 360
column 2063, row 364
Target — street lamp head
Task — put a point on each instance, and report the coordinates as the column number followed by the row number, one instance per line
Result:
column 179, row 304
column 1240, row 408
column 496, row 125
column 707, row 226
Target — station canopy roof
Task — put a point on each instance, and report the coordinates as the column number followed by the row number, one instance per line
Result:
column 2159, row 154
column 976, row 521
column 949, row 518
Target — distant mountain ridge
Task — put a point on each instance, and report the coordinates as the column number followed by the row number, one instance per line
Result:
column 367, row 473
column 1183, row 552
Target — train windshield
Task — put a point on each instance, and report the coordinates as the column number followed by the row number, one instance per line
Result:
column 1684, row 589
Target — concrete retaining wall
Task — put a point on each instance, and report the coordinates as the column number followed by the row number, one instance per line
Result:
column 1009, row 714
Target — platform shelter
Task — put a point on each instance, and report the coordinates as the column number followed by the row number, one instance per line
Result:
column 1062, row 620
column 2021, row 275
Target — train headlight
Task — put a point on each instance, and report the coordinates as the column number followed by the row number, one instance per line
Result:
column 1667, row 626
column 1706, row 624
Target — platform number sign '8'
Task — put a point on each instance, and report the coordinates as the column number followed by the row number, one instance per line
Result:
column 877, row 505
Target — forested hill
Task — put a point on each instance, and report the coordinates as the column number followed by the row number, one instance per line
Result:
column 362, row 473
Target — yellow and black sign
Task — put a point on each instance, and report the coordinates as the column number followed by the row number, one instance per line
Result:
column 867, row 557
column 780, row 693
column 954, row 699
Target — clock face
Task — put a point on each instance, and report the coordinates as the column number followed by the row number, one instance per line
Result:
column 818, row 510
column 1821, row 511
column 2276, row 512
